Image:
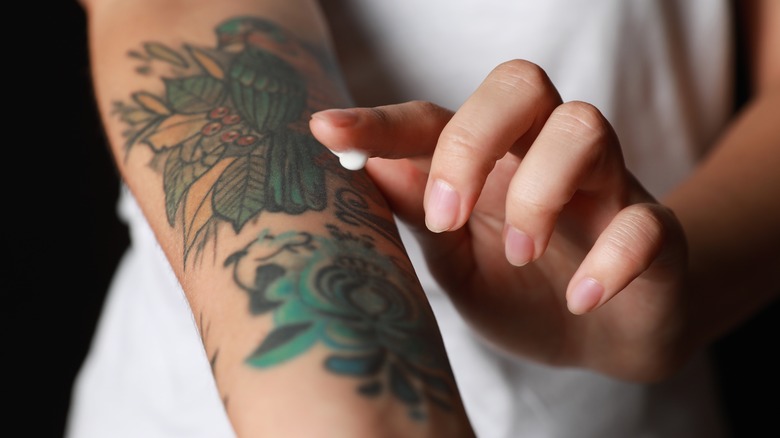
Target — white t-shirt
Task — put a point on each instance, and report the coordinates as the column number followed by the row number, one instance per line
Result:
column 661, row 74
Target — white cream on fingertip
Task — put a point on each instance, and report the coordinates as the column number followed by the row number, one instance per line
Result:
column 352, row 160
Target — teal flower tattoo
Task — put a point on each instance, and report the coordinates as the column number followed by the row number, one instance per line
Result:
column 339, row 292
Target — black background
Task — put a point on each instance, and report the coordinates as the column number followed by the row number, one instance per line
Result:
column 64, row 240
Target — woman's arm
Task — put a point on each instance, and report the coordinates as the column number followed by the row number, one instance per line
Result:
column 730, row 207
column 307, row 304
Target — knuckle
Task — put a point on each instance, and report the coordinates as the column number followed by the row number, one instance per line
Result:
column 426, row 107
column 585, row 123
column 638, row 237
column 464, row 143
column 539, row 208
column 429, row 112
column 582, row 119
column 518, row 74
column 460, row 141
column 380, row 115
column 534, row 201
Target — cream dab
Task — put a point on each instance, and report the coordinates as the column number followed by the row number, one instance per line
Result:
column 352, row 160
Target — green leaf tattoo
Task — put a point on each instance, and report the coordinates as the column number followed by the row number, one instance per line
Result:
column 231, row 128
column 163, row 53
column 194, row 95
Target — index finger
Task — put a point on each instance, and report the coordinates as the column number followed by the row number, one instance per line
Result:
column 504, row 114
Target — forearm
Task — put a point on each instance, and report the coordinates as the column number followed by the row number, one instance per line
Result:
column 307, row 304
column 730, row 211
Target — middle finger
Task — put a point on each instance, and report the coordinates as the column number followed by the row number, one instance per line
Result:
column 505, row 113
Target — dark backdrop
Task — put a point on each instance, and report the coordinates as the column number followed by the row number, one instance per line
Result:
column 65, row 240
column 59, row 193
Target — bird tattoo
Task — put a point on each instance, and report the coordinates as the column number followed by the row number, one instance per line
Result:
column 230, row 133
column 266, row 84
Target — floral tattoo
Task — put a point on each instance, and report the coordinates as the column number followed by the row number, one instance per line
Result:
column 338, row 291
column 230, row 136
column 230, row 132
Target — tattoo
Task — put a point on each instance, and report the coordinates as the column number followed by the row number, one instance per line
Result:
column 338, row 291
column 229, row 134
column 230, row 131
column 353, row 209
column 203, row 329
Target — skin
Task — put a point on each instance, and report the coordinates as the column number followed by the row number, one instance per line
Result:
column 551, row 248
column 304, row 297
column 587, row 217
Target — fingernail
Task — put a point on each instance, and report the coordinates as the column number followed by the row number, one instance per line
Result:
column 442, row 207
column 337, row 117
column 518, row 246
column 585, row 296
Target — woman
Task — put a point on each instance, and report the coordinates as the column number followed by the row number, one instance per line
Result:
column 576, row 280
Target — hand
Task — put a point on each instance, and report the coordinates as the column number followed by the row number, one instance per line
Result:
column 530, row 221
